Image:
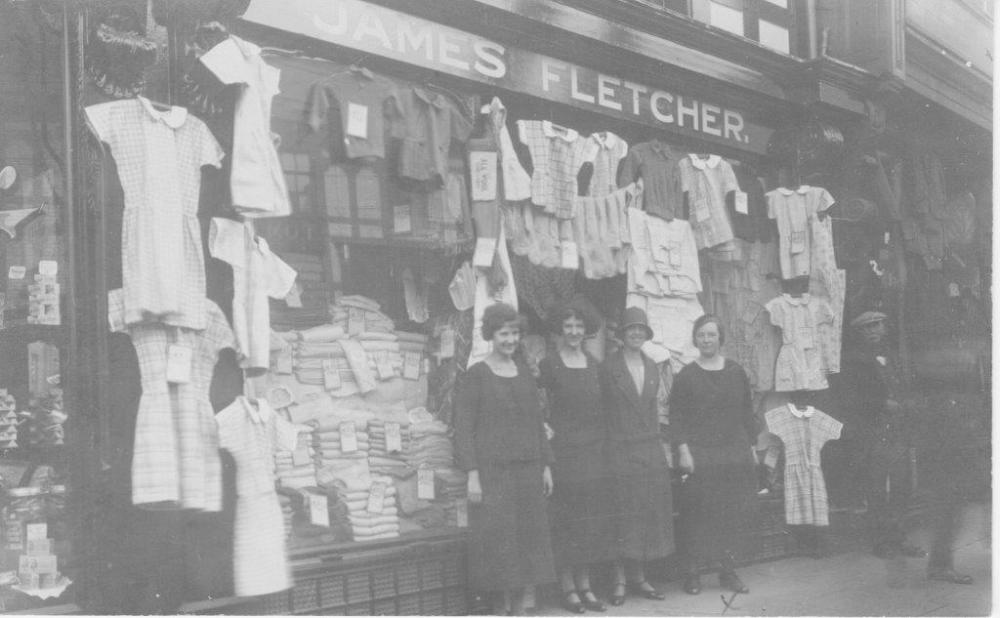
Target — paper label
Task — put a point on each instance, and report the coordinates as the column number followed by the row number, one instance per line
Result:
column 38, row 565
column 483, row 172
column 401, row 223
column 33, row 532
column 348, row 437
column 16, row 272
column 393, row 438
column 411, row 365
column 178, row 364
column 425, row 484
column 701, row 212
column 331, row 375
column 48, row 268
column 674, row 252
column 294, row 297
column 953, row 290
column 357, row 120
column 319, row 514
column 355, row 320
column 740, row 203
column 383, row 366
column 887, row 238
column 447, row 342
column 283, row 362
column 806, row 339
column 462, row 513
column 39, row 547
column 798, row 242
column 483, row 255
column 570, row 255
column 881, row 360
column 116, row 321
column 376, row 498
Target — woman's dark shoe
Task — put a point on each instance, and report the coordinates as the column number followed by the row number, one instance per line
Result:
column 618, row 595
column 570, row 605
column 646, row 591
column 591, row 602
column 692, row 584
column 732, row 581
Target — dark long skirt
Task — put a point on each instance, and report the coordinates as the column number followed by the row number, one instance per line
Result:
column 581, row 509
column 644, row 526
column 509, row 543
column 718, row 507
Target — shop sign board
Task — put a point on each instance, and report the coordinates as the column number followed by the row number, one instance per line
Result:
column 391, row 34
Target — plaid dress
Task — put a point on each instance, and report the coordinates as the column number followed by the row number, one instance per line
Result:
column 804, row 433
column 176, row 455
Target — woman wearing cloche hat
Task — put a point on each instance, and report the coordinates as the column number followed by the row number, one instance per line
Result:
column 643, row 509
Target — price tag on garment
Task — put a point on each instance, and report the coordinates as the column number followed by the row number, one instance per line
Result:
column 383, row 365
column 178, row 364
column 348, row 437
column 483, row 172
column 953, row 290
column 393, row 438
column 447, row 343
column 319, row 513
column 294, row 297
column 116, row 320
column 376, row 498
column 886, row 238
column 674, row 251
column 881, row 360
column 401, row 223
column 411, row 365
column 331, row 375
column 48, row 268
column 806, row 339
column 355, row 320
column 740, row 203
column 701, row 213
column 570, row 255
column 301, row 456
column 425, row 483
column 798, row 244
column 357, row 120
column 462, row 513
column 16, row 272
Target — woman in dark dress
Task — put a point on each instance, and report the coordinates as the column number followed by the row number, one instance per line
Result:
column 500, row 441
column 579, row 509
column 642, row 502
column 712, row 424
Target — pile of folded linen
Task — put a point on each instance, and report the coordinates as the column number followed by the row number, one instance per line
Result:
column 371, row 513
column 333, row 440
column 287, row 513
column 430, row 445
column 295, row 470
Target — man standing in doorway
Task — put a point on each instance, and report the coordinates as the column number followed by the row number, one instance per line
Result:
column 879, row 420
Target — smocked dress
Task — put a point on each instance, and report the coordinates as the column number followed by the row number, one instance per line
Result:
column 579, row 509
column 499, row 432
column 643, row 505
column 711, row 412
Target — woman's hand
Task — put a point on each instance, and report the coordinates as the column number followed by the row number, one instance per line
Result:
column 685, row 462
column 473, row 488
column 549, row 434
column 547, row 481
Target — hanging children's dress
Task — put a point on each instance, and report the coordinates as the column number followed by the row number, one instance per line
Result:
column 707, row 182
column 175, row 461
column 159, row 155
column 799, row 366
column 253, row 433
column 793, row 210
column 804, row 432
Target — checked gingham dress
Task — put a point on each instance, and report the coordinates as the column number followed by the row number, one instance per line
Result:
column 175, row 463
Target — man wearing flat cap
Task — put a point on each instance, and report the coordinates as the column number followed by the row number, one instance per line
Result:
column 879, row 423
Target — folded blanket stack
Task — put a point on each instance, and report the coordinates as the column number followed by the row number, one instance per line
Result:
column 287, row 513
column 295, row 470
column 372, row 513
column 381, row 459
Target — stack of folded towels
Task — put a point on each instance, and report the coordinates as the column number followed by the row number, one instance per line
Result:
column 370, row 519
column 328, row 443
column 430, row 446
column 295, row 474
column 287, row 513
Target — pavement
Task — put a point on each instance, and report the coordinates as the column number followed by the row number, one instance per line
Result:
column 852, row 582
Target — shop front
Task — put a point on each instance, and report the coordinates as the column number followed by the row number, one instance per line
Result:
column 290, row 218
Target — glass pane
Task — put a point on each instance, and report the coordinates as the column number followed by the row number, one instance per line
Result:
column 728, row 19
column 782, row 3
column 774, row 36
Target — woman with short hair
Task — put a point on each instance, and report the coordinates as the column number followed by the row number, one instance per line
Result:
column 712, row 425
column 500, row 441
